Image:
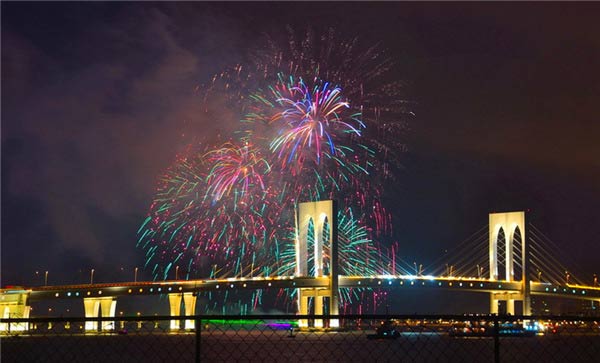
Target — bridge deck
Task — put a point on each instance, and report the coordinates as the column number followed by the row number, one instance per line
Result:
column 288, row 282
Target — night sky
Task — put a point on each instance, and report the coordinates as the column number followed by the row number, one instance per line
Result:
column 98, row 98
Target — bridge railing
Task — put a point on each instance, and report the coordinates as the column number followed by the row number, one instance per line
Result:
column 448, row 338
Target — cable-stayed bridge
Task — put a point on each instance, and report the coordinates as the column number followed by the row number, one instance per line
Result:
column 499, row 260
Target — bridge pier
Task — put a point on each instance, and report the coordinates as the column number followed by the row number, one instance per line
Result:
column 510, row 306
column 189, row 308
column 14, row 305
column 494, row 308
column 319, row 296
column 104, row 305
column 510, row 298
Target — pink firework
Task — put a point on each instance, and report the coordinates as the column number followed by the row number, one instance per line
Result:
column 235, row 170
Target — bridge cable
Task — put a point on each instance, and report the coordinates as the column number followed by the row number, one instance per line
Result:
column 464, row 251
column 559, row 251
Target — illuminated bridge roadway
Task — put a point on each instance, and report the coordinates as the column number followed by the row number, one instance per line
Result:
column 103, row 296
column 286, row 282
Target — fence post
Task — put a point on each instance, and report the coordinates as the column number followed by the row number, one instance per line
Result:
column 198, row 323
column 496, row 339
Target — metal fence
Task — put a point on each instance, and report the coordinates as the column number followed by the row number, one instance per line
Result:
column 278, row 338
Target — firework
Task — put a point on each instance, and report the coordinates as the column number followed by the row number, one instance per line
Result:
column 366, row 77
column 311, row 121
column 317, row 122
column 235, row 168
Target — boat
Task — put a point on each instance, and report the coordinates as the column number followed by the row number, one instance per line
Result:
column 487, row 329
column 386, row 330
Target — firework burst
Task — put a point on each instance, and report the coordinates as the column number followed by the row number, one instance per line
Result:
column 310, row 121
column 318, row 121
column 235, row 168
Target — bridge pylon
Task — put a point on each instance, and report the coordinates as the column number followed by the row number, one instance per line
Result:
column 509, row 223
column 322, row 214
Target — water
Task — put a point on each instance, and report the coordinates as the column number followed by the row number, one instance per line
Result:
column 220, row 344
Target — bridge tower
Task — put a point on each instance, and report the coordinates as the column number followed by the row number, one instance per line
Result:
column 321, row 213
column 509, row 223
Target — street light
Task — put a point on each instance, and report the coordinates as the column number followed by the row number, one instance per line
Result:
column 46, row 279
column 176, row 272
column 135, row 275
column 91, row 276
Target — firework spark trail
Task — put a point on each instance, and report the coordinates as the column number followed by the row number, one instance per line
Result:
column 312, row 116
column 317, row 122
column 236, row 168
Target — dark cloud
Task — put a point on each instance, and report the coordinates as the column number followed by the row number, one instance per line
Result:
column 85, row 135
